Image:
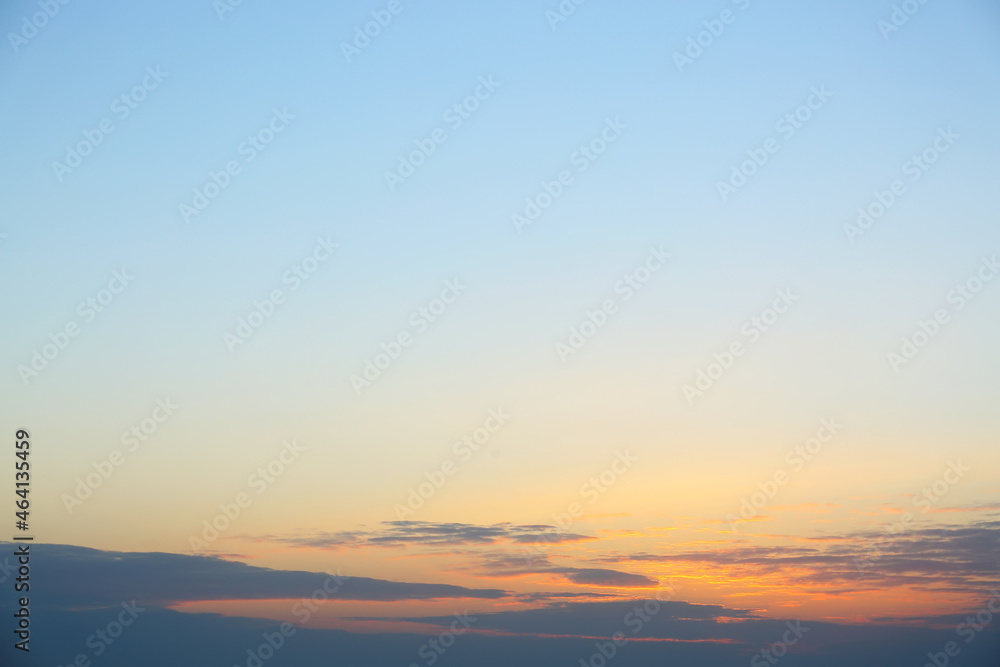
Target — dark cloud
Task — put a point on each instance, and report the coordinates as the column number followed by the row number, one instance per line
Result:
column 677, row 632
column 78, row 592
column 69, row 575
column 560, row 638
column 504, row 565
column 426, row 533
column 550, row 596
column 659, row 618
column 593, row 576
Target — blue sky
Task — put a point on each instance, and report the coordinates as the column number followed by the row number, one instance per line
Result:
column 324, row 175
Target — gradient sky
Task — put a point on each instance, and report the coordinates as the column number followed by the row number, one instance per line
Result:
column 495, row 346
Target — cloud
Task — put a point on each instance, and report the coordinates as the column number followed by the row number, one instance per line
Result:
column 80, row 576
column 549, row 596
column 958, row 558
column 76, row 587
column 593, row 576
column 503, row 565
column 664, row 619
column 991, row 508
column 677, row 634
column 427, row 533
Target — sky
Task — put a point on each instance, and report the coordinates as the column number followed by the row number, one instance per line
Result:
column 577, row 304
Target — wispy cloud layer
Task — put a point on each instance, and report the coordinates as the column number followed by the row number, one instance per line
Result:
column 426, row 533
